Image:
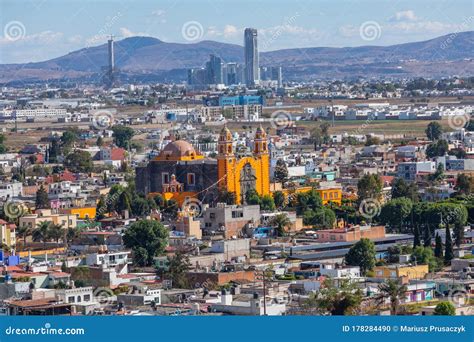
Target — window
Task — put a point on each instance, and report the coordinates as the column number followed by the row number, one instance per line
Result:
column 87, row 298
column 70, row 299
column 237, row 214
column 165, row 178
column 191, row 179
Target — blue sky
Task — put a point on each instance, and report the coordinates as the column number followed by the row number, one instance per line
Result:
column 35, row 30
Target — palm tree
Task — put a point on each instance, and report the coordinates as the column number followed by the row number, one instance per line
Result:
column 281, row 222
column 23, row 232
column 56, row 232
column 71, row 234
column 41, row 232
column 394, row 290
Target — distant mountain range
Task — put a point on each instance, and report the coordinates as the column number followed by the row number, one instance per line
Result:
column 150, row 59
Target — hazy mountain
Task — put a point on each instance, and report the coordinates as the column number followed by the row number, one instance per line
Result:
column 158, row 60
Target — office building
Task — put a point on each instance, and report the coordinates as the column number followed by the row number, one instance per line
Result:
column 252, row 71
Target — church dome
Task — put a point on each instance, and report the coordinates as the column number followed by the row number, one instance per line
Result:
column 178, row 149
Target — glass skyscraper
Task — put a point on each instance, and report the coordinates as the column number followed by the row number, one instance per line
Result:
column 252, row 71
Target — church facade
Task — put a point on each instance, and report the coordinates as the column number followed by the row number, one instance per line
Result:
column 239, row 174
column 179, row 172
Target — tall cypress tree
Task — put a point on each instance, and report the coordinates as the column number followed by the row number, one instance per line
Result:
column 438, row 252
column 458, row 234
column 416, row 239
column 448, row 246
column 426, row 236
column 42, row 201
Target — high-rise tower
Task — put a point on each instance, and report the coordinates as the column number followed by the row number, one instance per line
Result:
column 252, row 71
column 110, row 73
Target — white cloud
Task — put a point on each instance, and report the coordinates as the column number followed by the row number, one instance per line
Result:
column 159, row 15
column 408, row 15
column 41, row 38
column 126, row 33
column 348, row 31
column 158, row 12
column 231, row 31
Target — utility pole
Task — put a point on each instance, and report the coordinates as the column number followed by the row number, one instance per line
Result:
column 264, row 294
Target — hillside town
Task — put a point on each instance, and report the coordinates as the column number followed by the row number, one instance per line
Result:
column 158, row 201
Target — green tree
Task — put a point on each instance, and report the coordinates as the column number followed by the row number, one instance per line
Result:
column 101, row 208
column 81, row 276
column 54, row 151
column 3, row 148
column 122, row 135
column 226, row 197
column 123, row 203
column 393, row 290
column 362, row 254
column 316, row 136
column 396, row 212
column 464, row 184
column 146, row 236
column 22, row 232
column 281, row 171
column 99, row 142
column 279, row 199
column 434, row 131
column 56, row 232
column 424, row 256
column 79, row 161
column 344, row 299
column 448, row 246
column 281, row 222
column 438, row 251
column 369, row 187
column 178, row 266
column 370, row 140
column 416, row 236
column 252, row 197
column 141, row 206
column 321, row 218
column 309, row 200
column 70, row 137
column 40, row 233
column 444, row 309
column 402, row 188
column 42, row 201
column 437, row 149
column 267, row 203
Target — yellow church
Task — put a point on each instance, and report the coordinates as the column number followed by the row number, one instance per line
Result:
column 179, row 172
column 241, row 173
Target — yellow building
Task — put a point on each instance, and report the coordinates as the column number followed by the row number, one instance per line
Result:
column 330, row 194
column 327, row 194
column 239, row 174
column 45, row 215
column 401, row 271
column 82, row 213
column 7, row 233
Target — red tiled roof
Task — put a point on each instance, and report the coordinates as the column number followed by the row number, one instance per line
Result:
column 117, row 154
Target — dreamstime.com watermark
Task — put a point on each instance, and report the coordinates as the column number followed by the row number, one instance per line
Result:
column 46, row 330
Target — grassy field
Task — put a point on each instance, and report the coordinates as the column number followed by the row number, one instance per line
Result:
column 415, row 128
